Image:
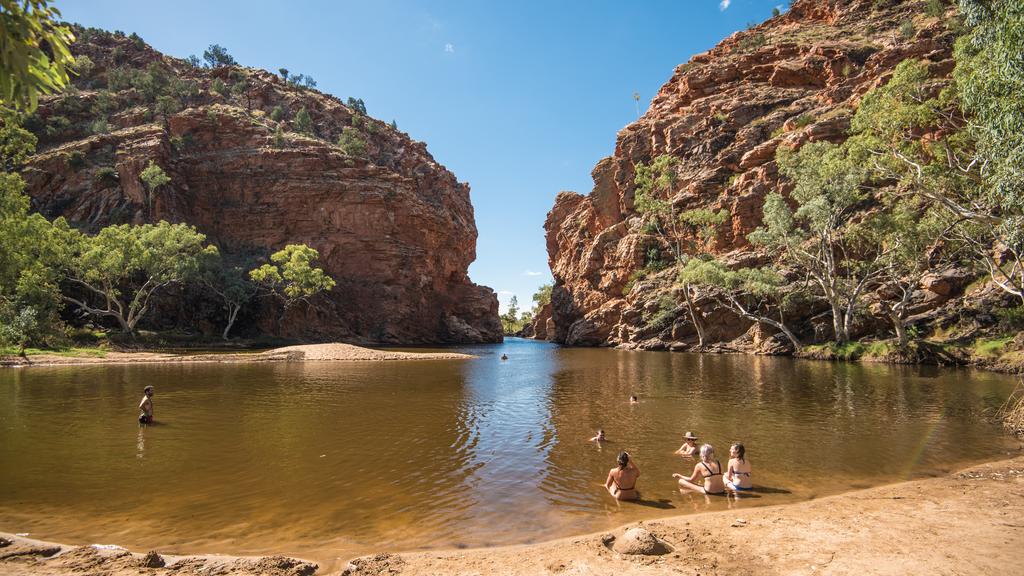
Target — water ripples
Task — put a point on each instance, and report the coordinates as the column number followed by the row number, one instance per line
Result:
column 473, row 453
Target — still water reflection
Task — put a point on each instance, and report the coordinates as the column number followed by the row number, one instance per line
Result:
column 326, row 460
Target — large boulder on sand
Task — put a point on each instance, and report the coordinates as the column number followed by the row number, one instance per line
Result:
column 640, row 541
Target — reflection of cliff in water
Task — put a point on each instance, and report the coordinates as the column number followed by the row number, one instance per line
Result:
column 337, row 458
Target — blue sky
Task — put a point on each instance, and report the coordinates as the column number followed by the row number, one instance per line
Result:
column 519, row 99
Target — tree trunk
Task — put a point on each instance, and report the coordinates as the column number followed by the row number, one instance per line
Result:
column 901, row 331
column 838, row 326
column 698, row 324
column 232, row 314
column 739, row 309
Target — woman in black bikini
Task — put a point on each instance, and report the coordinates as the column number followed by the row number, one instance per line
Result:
column 709, row 469
column 621, row 482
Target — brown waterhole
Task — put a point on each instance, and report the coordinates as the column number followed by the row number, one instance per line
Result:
column 329, row 460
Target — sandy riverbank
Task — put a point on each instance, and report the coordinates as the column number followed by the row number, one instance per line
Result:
column 968, row 522
column 304, row 353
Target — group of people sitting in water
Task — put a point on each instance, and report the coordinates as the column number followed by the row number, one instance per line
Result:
column 708, row 476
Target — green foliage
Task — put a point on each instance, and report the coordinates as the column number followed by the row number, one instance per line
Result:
column 935, row 8
column 216, row 56
column 542, row 297
column 29, row 300
column 302, row 81
column 803, row 121
column 83, row 67
column 989, row 81
column 16, row 143
column 34, row 52
column 662, row 316
column 123, row 267
column 357, row 105
column 651, row 182
column 775, row 11
column 1011, row 318
column 293, row 275
column 106, row 175
column 721, row 116
column 99, row 126
column 75, row 159
column 704, row 221
column 991, row 347
column 104, row 103
column 907, row 29
column 653, row 261
column 631, row 281
column 277, row 113
column 230, row 282
column 284, row 73
column 352, row 143
column 153, row 176
column 279, row 138
column 752, row 41
column 137, row 41
column 394, row 126
column 218, row 86
column 303, row 122
column 510, row 320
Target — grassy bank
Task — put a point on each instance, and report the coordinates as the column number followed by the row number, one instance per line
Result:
column 1004, row 353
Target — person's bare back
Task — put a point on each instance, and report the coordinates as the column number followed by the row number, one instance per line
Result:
column 146, row 406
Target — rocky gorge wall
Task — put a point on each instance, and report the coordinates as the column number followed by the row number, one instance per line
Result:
column 795, row 78
column 393, row 227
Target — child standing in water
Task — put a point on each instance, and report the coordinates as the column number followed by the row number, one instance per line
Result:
column 599, row 438
column 146, row 406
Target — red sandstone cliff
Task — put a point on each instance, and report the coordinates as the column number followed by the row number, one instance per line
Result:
column 793, row 79
column 394, row 228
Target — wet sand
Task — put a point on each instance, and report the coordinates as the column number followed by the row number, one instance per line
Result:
column 967, row 522
column 304, row 353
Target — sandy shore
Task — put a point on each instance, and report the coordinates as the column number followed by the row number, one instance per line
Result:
column 969, row 522
column 304, row 353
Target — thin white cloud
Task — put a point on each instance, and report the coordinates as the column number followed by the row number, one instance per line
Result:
column 724, row 5
column 532, row 273
column 449, row 48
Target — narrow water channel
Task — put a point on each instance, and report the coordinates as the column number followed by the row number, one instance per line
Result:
column 327, row 460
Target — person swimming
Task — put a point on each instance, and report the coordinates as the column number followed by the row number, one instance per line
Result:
column 689, row 447
column 599, row 438
column 146, row 406
column 737, row 471
column 504, row 356
column 708, row 469
column 621, row 481
column 633, row 400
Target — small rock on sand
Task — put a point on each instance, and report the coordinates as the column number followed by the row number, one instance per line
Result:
column 152, row 560
column 642, row 542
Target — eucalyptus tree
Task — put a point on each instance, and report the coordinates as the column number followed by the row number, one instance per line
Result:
column 119, row 271
column 751, row 293
column 685, row 232
column 35, row 53
column 829, row 236
column 292, row 275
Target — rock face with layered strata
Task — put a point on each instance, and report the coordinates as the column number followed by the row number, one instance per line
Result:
column 393, row 227
column 793, row 79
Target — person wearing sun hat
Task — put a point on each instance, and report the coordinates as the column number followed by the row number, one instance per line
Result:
column 689, row 448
